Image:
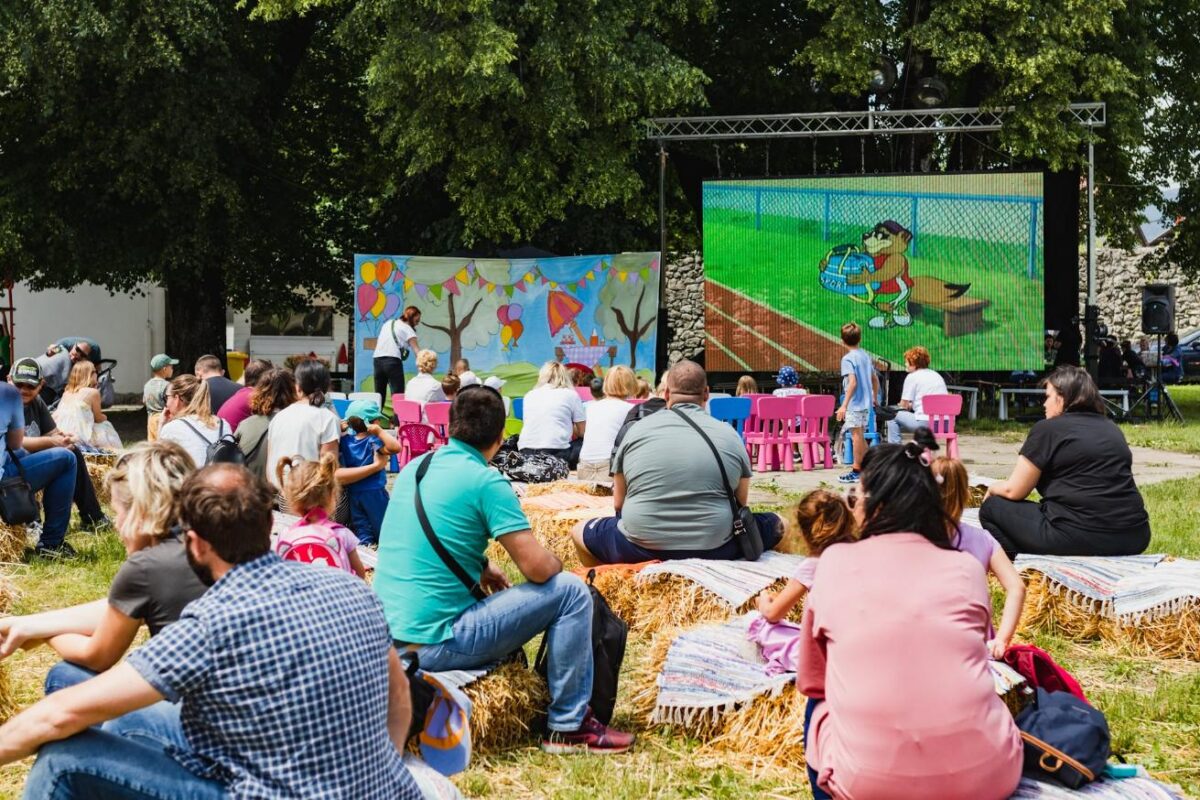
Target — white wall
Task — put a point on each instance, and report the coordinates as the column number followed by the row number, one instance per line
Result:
column 129, row 328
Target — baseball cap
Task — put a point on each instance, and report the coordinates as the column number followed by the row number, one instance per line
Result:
column 468, row 378
column 494, row 383
column 162, row 360
column 366, row 410
column 27, row 371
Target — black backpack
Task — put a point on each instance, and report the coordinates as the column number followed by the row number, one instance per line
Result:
column 609, row 633
column 1065, row 739
column 223, row 450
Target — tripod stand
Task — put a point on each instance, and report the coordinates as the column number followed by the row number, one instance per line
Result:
column 1157, row 389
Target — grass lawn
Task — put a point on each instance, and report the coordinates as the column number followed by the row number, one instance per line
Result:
column 1153, row 706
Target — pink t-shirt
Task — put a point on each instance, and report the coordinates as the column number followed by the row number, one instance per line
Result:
column 910, row 708
column 316, row 539
column 806, row 573
column 237, row 408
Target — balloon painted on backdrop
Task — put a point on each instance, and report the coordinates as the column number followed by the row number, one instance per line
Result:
column 380, row 304
column 383, row 270
column 506, row 336
column 502, row 315
column 367, row 272
column 367, row 296
column 514, row 313
column 517, row 328
column 393, row 305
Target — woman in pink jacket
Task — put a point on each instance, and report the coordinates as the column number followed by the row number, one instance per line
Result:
column 894, row 655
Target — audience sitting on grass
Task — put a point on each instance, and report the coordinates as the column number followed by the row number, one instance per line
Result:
column 311, row 489
column 822, row 519
column 919, row 382
column 274, row 391
column 746, row 385
column 451, row 626
column 668, row 490
column 955, row 485
column 151, row 587
column 1082, row 468
column 901, row 702
column 306, row 428
column 50, row 471
column 79, row 414
column 554, row 417
column 154, row 393
column 423, row 387
column 604, row 420
column 56, row 367
column 237, row 408
column 284, row 675
column 189, row 421
column 210, row 370
column 364, row 451
column 42, row 433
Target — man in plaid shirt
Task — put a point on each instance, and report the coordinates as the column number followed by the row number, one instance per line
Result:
column 282, row 679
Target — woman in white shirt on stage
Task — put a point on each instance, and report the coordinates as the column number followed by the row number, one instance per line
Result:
column 920, row 381
column 397, row 338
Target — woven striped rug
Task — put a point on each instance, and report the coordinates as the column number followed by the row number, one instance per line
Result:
column 1161, row 592
column 1089, row 581
column 1127, row 789
column 735, row 582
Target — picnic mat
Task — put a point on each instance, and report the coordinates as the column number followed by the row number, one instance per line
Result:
column 1126, row 789
column 735, row 582
column 1164, row 591
column 1088, row 581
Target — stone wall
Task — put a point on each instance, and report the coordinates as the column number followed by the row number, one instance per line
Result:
column 685, row 306
column 1119, row 281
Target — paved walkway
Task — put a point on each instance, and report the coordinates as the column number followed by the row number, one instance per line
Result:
column 987, row 456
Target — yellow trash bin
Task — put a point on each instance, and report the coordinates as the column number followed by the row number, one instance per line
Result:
column 237, row 364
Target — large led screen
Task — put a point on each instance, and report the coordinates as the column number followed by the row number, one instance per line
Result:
column 950, row 262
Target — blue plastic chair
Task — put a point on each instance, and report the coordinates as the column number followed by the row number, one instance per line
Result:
column 518, row 408
column 732, row 410
column 872, row 434
column 340, row 407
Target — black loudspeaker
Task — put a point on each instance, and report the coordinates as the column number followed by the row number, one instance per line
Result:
column 1158, row 308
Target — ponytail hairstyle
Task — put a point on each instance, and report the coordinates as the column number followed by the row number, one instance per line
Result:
column 196, row 402
column 902, row 495
column 411, row 316
column 312, row 376
column 308, row 484
column 824, row 519
column 356, row 424
column 955, row 485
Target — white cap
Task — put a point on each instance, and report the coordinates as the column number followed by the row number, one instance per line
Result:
column 467, row 378
column 494, row 383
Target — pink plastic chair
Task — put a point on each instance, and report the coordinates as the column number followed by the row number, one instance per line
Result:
column 815, row 411
column 438, row 415
column 585, row 393
column 777, row 429
column 405, row 410
column 752, row 429
column 942, row 410
column 415, row 439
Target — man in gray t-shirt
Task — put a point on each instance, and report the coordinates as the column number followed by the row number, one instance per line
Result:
column 671, row 501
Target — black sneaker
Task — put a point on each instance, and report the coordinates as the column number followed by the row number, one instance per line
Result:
column 58, row 552
column 96, row 525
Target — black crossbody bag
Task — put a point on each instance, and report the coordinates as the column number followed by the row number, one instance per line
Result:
column 451, row 564
column 18, row 503
column 745, row 527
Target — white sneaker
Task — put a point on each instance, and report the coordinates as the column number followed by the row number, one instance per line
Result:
column 903, row 320
column 879, row 322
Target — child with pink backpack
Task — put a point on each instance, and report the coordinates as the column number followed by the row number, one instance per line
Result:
column 310, row 489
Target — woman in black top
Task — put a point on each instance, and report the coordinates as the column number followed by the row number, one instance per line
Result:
column 1080, row 464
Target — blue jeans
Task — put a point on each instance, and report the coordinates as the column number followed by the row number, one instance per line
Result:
column 499, row 624
column 366, row 514
column 817, row 792
column 905, row 422
column 52, row 471
column 157, row 725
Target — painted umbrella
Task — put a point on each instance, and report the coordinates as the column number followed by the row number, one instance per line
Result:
column 561, row 309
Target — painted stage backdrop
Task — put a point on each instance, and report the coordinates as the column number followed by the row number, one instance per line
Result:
column 508, row 316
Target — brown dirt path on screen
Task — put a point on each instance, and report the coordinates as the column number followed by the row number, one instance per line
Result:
column 747, row 336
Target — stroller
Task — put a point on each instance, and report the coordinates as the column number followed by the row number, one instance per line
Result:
column 106, row 380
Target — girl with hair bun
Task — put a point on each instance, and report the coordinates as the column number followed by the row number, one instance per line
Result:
column 311, row 489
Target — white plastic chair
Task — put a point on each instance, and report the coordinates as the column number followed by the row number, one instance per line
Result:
column 337, row 396
column 365, row 396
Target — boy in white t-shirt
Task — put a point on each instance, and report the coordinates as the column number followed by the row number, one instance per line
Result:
column 920, row 381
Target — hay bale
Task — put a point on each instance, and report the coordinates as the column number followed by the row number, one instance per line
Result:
column 771, row 727
column 508, row 708
column 8, row 701
column 1170, row 636
column 98, row 472
column 578, row 487
column 671, row 601
column 643, row 677
column 13, row 542
column 1049, row 607
column 978, row 493
column 617, row 585
column 8, row 594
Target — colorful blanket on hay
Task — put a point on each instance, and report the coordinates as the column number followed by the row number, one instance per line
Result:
column 735, row 582
column 1166, row 590
column 1089, row 581
column 1127, row 789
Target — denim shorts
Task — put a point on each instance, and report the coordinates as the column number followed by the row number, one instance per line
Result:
column 604, row 540
column 857, row 419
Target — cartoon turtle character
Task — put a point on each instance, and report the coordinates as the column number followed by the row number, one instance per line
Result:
column 890, row 286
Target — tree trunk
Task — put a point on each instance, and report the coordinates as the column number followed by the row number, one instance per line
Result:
column 195, row 317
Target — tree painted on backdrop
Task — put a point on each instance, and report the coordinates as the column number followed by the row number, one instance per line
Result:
column 625, row 314
column 458, row 310
column 183, row 144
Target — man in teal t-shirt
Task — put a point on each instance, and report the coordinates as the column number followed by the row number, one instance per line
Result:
column 861, row 388
column 431, row 611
